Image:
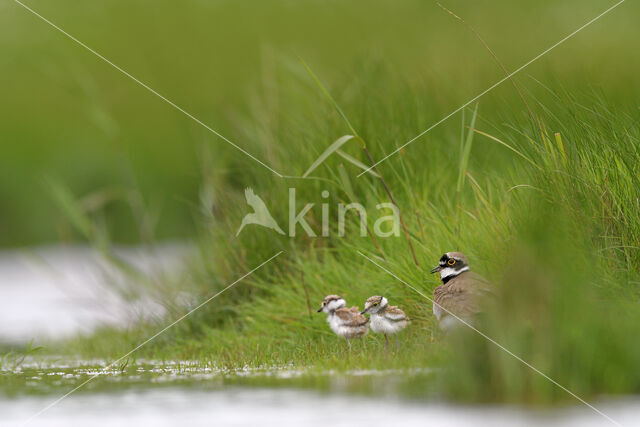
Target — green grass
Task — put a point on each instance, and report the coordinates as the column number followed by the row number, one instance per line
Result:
column 550, row 215
column 557, row 233
column 68, row 116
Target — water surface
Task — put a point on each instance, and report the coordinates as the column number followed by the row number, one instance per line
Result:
column 157, row 393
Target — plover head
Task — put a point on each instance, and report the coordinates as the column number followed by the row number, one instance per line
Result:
column 450, row 265
column 375, row 304
column 331, row 303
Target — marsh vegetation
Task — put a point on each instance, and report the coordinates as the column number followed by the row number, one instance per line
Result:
column 541, row 195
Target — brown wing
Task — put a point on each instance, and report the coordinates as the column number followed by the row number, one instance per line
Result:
column 478, row 283
column 462, row 295
column 395, row 314
column 350, row 317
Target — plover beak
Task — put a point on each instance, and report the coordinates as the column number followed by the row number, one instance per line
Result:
column 363, row 311
column 320, row 309
column 435, row 270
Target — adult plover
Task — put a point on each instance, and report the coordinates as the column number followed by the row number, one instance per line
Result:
column 385, row 319
column 461, row 293
column 345, row 322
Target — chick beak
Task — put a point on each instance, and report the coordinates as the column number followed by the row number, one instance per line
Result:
column 364, row 311
column 435, row 270
column 320, row 309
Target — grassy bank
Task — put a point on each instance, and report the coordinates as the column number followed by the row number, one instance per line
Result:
column 551, row 219
column 546, row 207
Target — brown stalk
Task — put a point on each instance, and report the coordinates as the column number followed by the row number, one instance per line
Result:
column 495, row 57
column 373, row 239
column 420, row 225
column 363, row 222
column 404, row 227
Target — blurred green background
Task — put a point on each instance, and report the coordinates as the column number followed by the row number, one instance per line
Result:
column 70, row 118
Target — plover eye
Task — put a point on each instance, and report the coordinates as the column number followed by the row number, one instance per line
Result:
column 451, row 261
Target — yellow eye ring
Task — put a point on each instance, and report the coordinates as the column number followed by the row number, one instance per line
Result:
column 451, row 262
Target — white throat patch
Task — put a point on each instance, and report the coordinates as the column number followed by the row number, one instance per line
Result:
column 450, row 272
column 334, row 305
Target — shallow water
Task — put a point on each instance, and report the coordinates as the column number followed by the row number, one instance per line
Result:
column 241, row 406
column 58, row 291
column 168, row 394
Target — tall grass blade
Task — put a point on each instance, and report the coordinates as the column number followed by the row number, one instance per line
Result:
column 493, row 138
column 346, row 183
column 356, row 162
column 326, row 153
column 71, row 208
column 495, row 57
column 329, row 97
column 560, row 146
column 466, row 150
